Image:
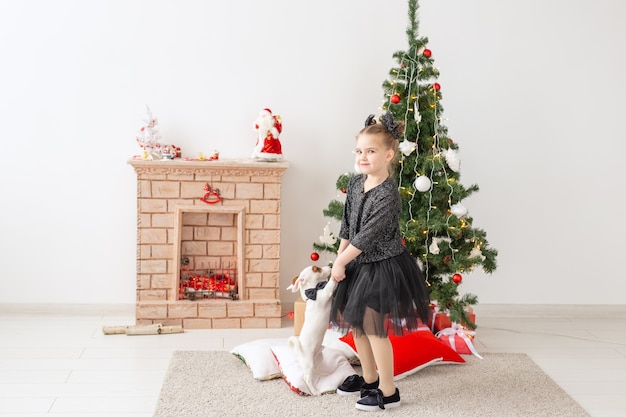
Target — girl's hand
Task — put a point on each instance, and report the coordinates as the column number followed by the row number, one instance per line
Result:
column 338, row 273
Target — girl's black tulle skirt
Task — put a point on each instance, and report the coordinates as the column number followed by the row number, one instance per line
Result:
column 377, row 297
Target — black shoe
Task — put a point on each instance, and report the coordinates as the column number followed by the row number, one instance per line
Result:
column 355, row 384
column 375, row 401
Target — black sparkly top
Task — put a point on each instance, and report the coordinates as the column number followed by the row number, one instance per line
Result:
column 371, row 220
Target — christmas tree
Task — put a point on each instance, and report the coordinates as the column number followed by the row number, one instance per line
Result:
column 437, row 229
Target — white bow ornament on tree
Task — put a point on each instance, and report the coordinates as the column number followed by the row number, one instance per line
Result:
column 434, row 246
column 459, row 210
column 327, row 238
column 476, row 253
column 452, row 159
column 407, row 147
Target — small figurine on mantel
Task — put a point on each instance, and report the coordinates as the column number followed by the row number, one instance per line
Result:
column 269, row 128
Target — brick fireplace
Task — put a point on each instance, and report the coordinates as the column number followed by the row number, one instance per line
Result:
column 219, row 215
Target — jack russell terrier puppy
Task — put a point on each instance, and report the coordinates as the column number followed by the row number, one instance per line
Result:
column 317, row 291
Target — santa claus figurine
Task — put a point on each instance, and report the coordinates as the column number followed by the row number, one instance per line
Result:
column 268, row 146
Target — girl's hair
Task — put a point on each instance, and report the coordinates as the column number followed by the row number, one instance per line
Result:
column 388, row 139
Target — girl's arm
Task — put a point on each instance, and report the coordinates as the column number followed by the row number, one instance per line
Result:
column 343, row 244
column 346, row 253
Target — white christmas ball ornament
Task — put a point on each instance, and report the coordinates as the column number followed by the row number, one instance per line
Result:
column 422, row 183
column 458, row 209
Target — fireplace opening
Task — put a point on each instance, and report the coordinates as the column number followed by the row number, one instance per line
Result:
column 209, row 253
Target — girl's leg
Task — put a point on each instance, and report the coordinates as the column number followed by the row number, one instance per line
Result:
column 387, row 395
column 382, row 352
column 366, row 357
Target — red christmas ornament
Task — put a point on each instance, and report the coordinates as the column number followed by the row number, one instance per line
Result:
column 427, row 53
column 395, row 99
column 315, row 256
column 437, row 86
column 457, row 278
column 343, row 190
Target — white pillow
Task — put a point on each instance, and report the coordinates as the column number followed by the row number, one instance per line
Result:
column 258, row 356
column 330, row 373
column 332, row 340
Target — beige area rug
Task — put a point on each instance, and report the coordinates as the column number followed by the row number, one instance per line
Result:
column 208, row 383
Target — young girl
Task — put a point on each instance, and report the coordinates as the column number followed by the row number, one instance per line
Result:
column 380, row 288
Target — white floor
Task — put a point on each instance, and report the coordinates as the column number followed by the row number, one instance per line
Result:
column 55, row 361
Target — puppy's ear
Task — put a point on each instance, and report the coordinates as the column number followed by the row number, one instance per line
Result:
column 295, row 285
column 315, row 268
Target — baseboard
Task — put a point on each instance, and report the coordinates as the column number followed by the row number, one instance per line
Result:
column 67, row 308
column 551, row 310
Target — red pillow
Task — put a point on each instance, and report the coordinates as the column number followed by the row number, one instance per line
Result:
column 414, row 351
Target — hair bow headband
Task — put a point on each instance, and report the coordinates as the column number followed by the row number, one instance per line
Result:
column 387, row 120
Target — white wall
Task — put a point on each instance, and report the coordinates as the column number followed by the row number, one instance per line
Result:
column 532, row 94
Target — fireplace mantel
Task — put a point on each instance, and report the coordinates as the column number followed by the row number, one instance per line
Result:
column 227, row 167
column 169, row 189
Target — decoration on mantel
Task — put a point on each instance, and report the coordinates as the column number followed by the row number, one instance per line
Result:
column 148, row 137
column 169, row 152
column 203, row 157
column 212, row 195
column 269, row 127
